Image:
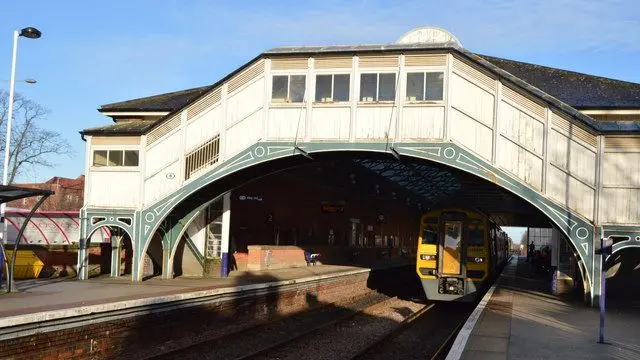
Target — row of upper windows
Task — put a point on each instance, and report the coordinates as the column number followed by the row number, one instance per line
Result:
column 421, row 86
column 115, row 158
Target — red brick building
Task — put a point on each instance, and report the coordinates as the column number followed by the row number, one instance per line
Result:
column 68, row 194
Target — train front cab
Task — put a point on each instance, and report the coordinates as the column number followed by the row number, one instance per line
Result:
column 453, row 254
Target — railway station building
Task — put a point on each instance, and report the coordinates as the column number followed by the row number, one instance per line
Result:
column 338, row 150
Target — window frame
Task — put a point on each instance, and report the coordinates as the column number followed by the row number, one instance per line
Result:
column 287, row 101
column 333, row 85
column 114, row 167
column 377, row 73
column 424, row 72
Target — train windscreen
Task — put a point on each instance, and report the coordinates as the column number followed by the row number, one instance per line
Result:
column 430, row 232
column 476, row 233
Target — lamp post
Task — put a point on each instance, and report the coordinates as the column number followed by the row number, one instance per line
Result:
column 29, row 33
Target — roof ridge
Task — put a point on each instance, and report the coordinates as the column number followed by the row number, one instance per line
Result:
column 556, row 69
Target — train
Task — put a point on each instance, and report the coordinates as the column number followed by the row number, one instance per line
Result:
column 460, row 252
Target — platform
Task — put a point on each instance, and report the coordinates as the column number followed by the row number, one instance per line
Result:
column 43, row 295
column 519, row 320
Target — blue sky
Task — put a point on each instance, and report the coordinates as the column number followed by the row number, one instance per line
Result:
column 92, row 53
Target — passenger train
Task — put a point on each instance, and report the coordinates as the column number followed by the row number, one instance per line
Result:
column 459, row 252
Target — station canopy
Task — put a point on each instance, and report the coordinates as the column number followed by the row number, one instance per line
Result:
column 11, row 193
column 421, row 185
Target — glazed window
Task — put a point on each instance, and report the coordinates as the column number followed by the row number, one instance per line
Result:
column 288, row 88
column 476, row 233
column 430, row 232
column 115, row 158
column 377, row 87
column 423, row 86
column 332, row 88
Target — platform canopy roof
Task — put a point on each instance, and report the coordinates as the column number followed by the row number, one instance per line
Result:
column 417, row 184
column 11, row 193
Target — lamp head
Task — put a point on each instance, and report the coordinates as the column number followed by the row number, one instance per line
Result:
column 30, row 81
column 30, row 32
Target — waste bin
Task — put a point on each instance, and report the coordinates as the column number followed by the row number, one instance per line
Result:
column 27, row 266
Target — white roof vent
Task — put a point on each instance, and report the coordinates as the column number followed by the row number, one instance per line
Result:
column 428, row 35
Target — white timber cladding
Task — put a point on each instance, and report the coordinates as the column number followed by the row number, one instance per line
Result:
column 161, row 183
column 333, row 62
column 510, row 95
column 621, row 180
column 478, row 77
column 204, row 127
column 425, row 60
column 203, row 104
column 520, row 137
column 378, row 61
column 296, row 63
column 331, row 122
column 571, row 174
column 422, row 122
column 163, row 129
column 105, row 194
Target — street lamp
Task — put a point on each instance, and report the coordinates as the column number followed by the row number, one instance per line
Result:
column 28, row 81
column 29, row 33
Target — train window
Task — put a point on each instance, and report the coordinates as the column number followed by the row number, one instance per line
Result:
column 430, row 232
column 476, row 233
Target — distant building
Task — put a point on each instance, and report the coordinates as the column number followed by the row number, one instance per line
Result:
column 68, row 195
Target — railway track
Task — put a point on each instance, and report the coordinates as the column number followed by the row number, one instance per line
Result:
column 429, row 335
column 378, row 326
column 280, row 346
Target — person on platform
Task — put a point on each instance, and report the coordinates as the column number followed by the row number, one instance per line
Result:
column 531, row 250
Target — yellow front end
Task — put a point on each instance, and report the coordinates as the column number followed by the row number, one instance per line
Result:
column 427, row 254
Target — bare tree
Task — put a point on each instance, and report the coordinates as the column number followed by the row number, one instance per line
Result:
column 32, row 146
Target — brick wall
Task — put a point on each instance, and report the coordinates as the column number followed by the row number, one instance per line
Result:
column 68, row 195
column 156, row 333
column 263, row 257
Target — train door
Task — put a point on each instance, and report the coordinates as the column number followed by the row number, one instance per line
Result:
column 451, row 246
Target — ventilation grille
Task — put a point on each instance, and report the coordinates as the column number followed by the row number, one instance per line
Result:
column 622, row 142
column 425, row 60
column 245, row 77
column 163, row 129
column 524, row 102
column 203, row 104
column 202, row 157
column 463, row 68
column 289, row 64
column 577, row 132
column 379, row 61
column 342, row 62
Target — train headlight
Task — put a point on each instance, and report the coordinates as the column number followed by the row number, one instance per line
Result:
column 475, row 259
column 427, row 257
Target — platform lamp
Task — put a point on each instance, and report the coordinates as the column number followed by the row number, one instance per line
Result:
column 29, row 33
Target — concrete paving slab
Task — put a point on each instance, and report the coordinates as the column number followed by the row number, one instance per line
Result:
column 483, row 355
column 488, row 343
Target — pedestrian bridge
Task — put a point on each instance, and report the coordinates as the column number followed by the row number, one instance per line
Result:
column 423, row 98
